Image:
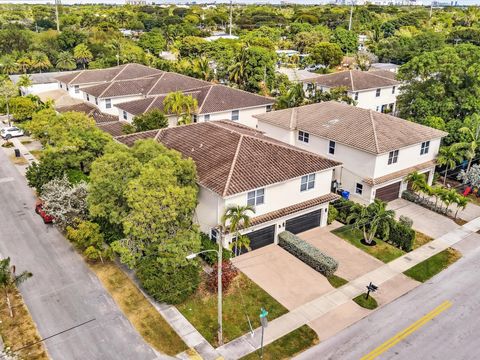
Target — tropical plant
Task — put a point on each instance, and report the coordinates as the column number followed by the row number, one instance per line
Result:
column 461, row 202
column 7, row 91
column 472, row 134
column 449, row 156
column 24, row 81
column 235, row 218
column 417, row 181
column 181, row 105
column 82, row 55
column 65, row 61
column 370, row 218
column 9, row 278
column 201, row 68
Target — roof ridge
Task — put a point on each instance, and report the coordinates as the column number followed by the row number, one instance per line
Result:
column 156, row 82
column 246, row 92
column 374, row 131
column 108, row 87
column 79, row 73
column 204, row 99
column 232, row 166
column 121, row 71
column 154, row 98
column 351, row 80
column 380, row 76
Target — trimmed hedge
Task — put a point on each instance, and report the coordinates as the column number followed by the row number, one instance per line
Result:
column 309, row 254
column 211, row 257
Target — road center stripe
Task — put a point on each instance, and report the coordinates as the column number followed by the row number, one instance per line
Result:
column 407, row 331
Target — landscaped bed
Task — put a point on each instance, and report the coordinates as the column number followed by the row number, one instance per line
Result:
column 287, row 346
column 336, row 281
column 138, row 310
column 382, row 250
column 369, row 303
column 421, row 239
column 433, row 265
column 243, row 297
column 20, row 331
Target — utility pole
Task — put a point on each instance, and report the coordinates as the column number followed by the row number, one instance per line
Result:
column 231, row 18
column 351, row 15
column 219, row 290
column 431, row 9
column 57, row 2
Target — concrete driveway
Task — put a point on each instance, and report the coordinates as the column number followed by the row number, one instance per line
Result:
column 283, row 276
column 353, row 262
column 426, row 221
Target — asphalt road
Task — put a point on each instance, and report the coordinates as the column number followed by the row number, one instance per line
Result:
column 453, row 334
column 63, row 292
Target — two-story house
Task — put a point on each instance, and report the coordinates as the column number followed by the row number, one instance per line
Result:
column 377, row 150
column 215, row 102
column 236, row 165
column 375, row 90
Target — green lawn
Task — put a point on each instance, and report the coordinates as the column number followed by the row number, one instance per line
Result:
column 336, row 281
column 382, row 251
column 243, row 297
column 433, row 265
column 369, row 303
column 421, row 239
column 287, row 346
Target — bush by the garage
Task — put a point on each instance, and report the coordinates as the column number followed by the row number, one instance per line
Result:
column 308, row 253
column 344, row 208
column 332, row 214
column 210, row 257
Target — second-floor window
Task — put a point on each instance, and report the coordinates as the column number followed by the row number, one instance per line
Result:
column 269, row 108
column 235, row 115
column 358, row 188
column 425, row 147
column 88, row 97
column 331, row 147
column 355, row 96
column 125, row 117
column 307, row 182
column 392, row 157
column 195, row 118
column 393, row 90
column 256, row 197
column 303, row 136
column 214, row 235
column 206, row 117
column 108, row 103
column 96, row 101
column 77, row 89
column 377, row 93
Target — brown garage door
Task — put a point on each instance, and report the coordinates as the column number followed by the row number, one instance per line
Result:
column 389, row 192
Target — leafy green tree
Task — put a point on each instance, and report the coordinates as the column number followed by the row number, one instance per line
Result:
column 8, row 90
column 327, row 54
column 184, row 106
column 87, row 237
column 153, row 41
column 8, row 64
column 293, row 97
column 24, row 81
column 82, row 55
column 347, row 40
column 191, row 46
column 22, row 108
column 66, row 61
column 154, row 119
column 9, row 279
column 472, row 132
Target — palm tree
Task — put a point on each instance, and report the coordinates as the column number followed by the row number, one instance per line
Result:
column 8, row 64
column 82, row 54
column 461, row 203
column 472, row 135
column 417, row 181
column 436, row 192
column 24, row 81
column 238, row 217
column 40, row 61
column 8, row 279
column 449, row 156
column 369, row 218
column 181, row 105
column 237, row 72
column 25, row 63
column 66, row 61
column 448, row 197
column 294, row 97
column 201, row 67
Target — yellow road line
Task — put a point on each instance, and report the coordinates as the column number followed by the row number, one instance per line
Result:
column 407, row 331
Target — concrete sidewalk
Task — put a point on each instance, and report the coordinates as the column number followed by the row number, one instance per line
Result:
column 324, row 304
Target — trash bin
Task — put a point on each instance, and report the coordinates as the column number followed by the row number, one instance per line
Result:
column 17, row 152
column 345, row 194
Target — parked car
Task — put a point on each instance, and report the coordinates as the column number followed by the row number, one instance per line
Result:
column 47, row 219
column 10, row 132
column 313, row 68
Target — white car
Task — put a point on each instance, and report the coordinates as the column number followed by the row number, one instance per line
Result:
column 10, row 132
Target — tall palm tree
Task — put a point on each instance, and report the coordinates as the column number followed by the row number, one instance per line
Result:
column 472, row 135
column 24, row 63
column 201, row 67
column 40, row 61
column 82, row 55
column 417, row 181
column 237, row 217
column 8, row 64
column 449, row 156
column 370, row 218
column 8, row 279
column 66, row 61
column 237, row 72
column 181, row 105
column 462, row 202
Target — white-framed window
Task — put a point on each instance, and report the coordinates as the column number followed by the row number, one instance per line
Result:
column 303, row 136
column 358, row 188
column 77, row 89
column 108, row 103
column 195, row 118
column 331, row 147
column 256, row 197
column 355, row 96
column 377, row 93
column 96, row 101
column 425, row 147
column 307, row 182
column 68, row 88
column 393, row 90
column 88, row 97
column 214, row 234
column 392, row 157
column 269, row 108
column 61, row 86
column 206, row 117
column 235, row 115
column 125, row 116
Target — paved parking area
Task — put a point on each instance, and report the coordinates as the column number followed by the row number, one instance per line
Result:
column 283, row 276
column 426, row 221
column 353, row 262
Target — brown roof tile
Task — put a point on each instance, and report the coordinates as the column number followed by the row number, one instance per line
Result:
column 359, row 128
column 231, row 158
column 114, row 128
column 399, row 174
column 355, row 80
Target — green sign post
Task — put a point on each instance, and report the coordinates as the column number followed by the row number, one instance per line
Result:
column 264, row 322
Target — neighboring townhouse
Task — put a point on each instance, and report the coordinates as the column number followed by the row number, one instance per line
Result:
column 377, row 150
column 76, row 80
column 215, row 102
column 375, row 90
column 236, row 165
column 40, row 82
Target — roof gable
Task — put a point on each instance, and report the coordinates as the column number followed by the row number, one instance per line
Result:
column 356, row 80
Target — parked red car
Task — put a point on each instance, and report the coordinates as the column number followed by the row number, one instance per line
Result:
column 47, row 219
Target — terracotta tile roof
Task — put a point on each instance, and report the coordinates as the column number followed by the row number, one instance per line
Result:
column 363, row 129
column 399, row 174
column 211, row 99
column 232, row 158
column 169, row 82
column 114, row 128
column 121, row 88
column 293, row 209
column 356, row 80
column 122, row 72
column 90, row 110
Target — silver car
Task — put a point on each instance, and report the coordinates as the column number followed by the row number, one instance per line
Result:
column 10, row 132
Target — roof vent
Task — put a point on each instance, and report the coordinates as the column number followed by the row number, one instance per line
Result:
column 331, row 122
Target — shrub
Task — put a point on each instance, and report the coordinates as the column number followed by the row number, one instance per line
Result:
column 7, row 144
column 229, row 272
column 168, row 285
column 344, row 208
column 332, row 214
column 309, row 254
column 87, row 237
column 405, row 220
column 211, row 257
column 402, row 236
